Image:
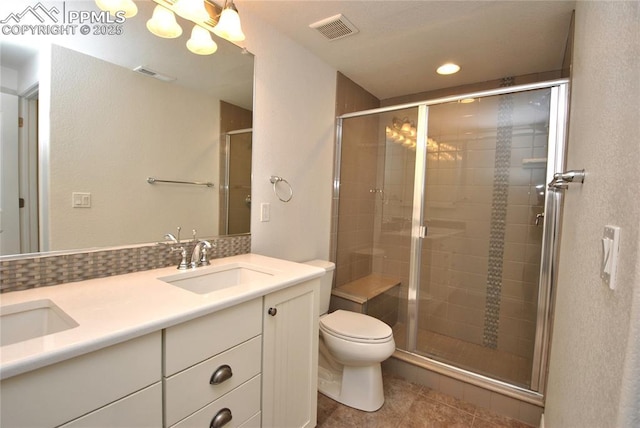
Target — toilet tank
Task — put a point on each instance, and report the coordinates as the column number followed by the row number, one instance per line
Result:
column 325, row 282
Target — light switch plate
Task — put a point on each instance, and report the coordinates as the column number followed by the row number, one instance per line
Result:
column 610, row 250
column 80, row 200
column 265, row 211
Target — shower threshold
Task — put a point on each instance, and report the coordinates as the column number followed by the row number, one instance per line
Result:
column 491, row 363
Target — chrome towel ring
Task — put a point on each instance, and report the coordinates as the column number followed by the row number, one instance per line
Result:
column 275, row 180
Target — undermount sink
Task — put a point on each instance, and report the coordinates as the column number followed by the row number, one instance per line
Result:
column 209, row 281
column 28, row 320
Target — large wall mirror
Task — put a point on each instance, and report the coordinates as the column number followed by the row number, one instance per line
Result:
column 93, row 131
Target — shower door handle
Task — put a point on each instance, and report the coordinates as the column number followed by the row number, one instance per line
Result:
column 422, row 233
column 561, row 180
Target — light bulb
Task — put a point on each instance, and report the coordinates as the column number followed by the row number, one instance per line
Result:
column 200, row 42
column 163, row 23
column 448, row 68
column 228, row 26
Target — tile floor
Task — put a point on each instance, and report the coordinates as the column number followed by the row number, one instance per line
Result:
column 410, row 405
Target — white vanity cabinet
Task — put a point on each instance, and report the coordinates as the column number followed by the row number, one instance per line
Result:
column 290, row 357
column 212, row 368
column 117, row 386
column 265, row 353
column 247, row 361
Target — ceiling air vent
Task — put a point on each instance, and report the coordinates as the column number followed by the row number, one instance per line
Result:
column 151, row 73
column 335, row 27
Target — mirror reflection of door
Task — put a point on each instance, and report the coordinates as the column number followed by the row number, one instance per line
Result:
column 238, row 181
column 9, row 214
column 19, row 173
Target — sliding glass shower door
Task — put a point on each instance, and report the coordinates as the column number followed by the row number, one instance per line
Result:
column 456, row 213
column 480, row 256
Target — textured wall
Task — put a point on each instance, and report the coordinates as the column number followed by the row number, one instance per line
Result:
column 294, row 127
column 594, row 369
column 110, row 130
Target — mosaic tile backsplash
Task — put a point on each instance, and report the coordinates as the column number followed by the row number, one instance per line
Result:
column 53, row 269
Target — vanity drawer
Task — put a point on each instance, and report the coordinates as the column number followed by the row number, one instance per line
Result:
column 194, row 341
column 141, row 410
column 243, row 403
column 191, row 390
column 254, row 422
column 59, row 393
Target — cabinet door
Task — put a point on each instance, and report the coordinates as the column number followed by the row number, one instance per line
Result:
column 290, row 357
column 141, row 410
column 61, row 392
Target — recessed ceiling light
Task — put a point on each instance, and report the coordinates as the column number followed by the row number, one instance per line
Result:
column 448, row 68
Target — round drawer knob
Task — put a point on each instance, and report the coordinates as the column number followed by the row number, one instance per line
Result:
column 221, row 374
column 221, row 418
column 272, row 311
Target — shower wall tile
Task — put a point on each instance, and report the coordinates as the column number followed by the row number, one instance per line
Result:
column 356, row 206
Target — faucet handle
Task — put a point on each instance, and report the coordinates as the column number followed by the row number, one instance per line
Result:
column 204, row 254
column 183, row 253
column 171, row 238
column 204, row 258
column 193, row 235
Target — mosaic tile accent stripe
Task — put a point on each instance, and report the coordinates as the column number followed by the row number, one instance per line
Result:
column 498, row 217
column 45, row 270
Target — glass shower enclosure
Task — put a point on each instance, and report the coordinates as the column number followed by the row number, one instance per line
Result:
column 235, row 196
column 449, row 197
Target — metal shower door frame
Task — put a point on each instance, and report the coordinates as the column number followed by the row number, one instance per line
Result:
column 226, row 185
column 550, row 242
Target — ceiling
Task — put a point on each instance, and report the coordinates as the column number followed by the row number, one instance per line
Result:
column 401, row 43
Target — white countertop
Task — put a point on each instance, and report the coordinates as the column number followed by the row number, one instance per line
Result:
column 118, row 308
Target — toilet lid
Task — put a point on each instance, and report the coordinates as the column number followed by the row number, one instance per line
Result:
column 355, row 325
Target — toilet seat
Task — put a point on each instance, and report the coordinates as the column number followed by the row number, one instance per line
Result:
column 355, row 327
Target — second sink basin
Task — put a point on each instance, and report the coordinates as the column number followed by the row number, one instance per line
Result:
column 208, row 281
column 28, row 320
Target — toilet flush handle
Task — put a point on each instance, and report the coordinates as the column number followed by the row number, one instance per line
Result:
column 272, row 311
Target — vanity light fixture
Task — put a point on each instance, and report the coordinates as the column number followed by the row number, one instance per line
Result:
column 202, row 13
column 163, row 23
column 448, row 68
column 403, row 132
column 200, row 42
column 112, row 6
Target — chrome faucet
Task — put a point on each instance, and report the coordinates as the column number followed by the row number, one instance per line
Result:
column 172, row 238
column 183, row 261
column 200, row 255
column 183, row 251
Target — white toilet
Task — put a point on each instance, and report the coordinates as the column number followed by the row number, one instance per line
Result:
column 352, row 346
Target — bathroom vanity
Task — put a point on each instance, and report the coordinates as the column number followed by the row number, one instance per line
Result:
column 233, row 344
